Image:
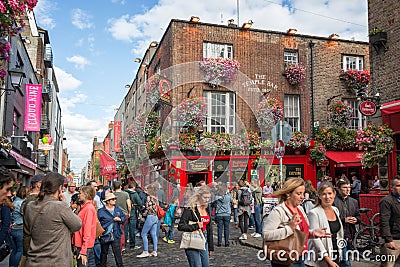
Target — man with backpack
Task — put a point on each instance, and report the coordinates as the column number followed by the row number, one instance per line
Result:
column 133, row 216
column 244, row 209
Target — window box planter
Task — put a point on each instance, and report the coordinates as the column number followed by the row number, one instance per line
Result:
column 378, row 38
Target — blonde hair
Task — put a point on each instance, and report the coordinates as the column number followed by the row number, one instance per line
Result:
column 195, row 199
column 288, row 187
column 89, row 192
column 321, row 189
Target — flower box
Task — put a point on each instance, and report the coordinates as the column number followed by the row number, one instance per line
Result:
column 378, row 38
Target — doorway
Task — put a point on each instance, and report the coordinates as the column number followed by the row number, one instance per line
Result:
column 194, row 178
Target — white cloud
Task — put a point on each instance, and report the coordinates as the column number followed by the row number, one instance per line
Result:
column 79, row 61
column 312, row 17
column 43, row 12
column 65, row 80
column 81, row 19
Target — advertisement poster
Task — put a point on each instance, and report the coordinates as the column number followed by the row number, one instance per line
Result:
column 33, row 104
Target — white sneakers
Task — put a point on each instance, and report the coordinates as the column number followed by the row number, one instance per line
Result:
column 146, row 254
column 243, row 237
column 257, row 235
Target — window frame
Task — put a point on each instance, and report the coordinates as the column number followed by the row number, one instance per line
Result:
column 294, row 53
column 287, row 108
column 357, row 66
column 357, row 115
column 228, row 112
column 227, row 50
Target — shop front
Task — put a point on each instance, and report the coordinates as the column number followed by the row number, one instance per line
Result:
column 26, row 170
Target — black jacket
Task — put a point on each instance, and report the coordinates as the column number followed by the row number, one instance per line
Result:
column 188, row 215
column 348, row 208
column 389, row 209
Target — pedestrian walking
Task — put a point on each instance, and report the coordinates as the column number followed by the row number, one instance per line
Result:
column 349, row 215
column 124, row 203
column 49, row 222
column 111, row 217
column 325, row 215
column 169, row 220
column 17, row 222
column 83, row 240
column 196, row 216
column 223, row 214
column 244, row 208
column 6, row 182
column 235, row 204
column 151, row 222
column 287, row 216
column 133, row 216
column 6, row 208
column 257, row 200
column 389, row 209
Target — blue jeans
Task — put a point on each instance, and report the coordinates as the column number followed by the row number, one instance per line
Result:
column 97, row 250
column 345, row 262
column 235, row 217
column 115, row 246
column 158, row 228
column 198, row 258
column 299, row 263
column 257, row 217
column 251, row 220
column 16, row 247
column 132, row 229
column 90, row 258
column 150, row 225
column 223, row 222
column 170, row 233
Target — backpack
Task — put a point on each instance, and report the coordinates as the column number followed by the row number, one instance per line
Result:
column 245, row 198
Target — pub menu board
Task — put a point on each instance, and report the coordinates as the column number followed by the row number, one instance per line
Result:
column 294, row 171
column 239, row 169
column 197, row 166
column 221, row 170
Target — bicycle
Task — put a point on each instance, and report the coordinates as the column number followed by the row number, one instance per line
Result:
column 368, row 235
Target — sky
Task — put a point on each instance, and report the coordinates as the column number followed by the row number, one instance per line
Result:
column 95, row 42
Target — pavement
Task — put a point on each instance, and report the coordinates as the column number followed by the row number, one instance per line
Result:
column 239, row 253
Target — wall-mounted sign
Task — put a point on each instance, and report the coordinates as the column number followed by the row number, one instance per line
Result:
column 295, row 170
column 367, row 108
column 260, row 84
column 197, row 166
column 221, row 165
column 239, row 165
column 33, row 105
column 165, row 88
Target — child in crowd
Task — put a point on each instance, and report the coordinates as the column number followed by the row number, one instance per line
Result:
column 169, row 222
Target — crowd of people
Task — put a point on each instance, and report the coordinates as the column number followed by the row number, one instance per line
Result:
column 74, row 217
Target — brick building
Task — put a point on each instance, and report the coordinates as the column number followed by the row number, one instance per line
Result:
column 262, row 55
column 385, row 70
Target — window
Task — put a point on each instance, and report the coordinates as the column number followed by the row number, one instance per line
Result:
column 212, row 50
column 16, row 123
column 353, row 63
column 220, row 112
column 290, row 57
column 357, row 119
column 292, row 111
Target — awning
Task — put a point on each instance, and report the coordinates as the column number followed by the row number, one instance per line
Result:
column 10, row 163
column 346, row 158
column 390, row 107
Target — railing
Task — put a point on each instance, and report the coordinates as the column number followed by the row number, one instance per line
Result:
column 47, row 90
column 48, row 56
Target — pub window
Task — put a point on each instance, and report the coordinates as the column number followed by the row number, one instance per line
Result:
column 292, row 111
column 357, row 119
column 220, row 112
column 213, row 50
column 290, row 57
column 353, row 63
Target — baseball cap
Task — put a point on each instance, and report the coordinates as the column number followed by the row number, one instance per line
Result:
column 37, row 178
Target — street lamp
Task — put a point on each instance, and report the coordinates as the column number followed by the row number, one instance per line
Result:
column 16, row 76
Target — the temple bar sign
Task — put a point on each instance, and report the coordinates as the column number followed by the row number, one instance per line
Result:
column 260, row 84
column 197, row 165
column 295, row 171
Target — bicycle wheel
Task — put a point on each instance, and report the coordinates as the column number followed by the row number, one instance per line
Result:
column 368, row 238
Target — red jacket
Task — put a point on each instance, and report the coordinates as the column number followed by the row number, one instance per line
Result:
column 85, row 237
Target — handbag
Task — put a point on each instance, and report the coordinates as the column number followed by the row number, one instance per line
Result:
column 99, row 229
column 4, row 251
column 160, row 212
column 195, row 239
column 107, row 238
column 286, row 251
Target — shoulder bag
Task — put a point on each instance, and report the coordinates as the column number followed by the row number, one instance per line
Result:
column 286, row 251
column 160, row 212
column 4, row 251
column 195, row 239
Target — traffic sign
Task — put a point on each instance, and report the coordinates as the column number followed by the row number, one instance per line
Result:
column 279, row 149
column 286, row 132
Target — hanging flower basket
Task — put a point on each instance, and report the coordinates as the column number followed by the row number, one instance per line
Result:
column 269, row 112
column 340, row 114
column 318, row 153
column 192, row 112
column 295, row 74
column 355, row 79
column 376, row 142
column 299, row 141
column 152, row 90
column 219, row 70
column 12, row 22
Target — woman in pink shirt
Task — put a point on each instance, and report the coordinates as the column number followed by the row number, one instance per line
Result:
column 83, row 240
